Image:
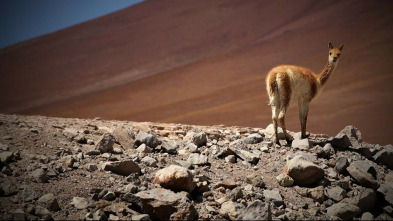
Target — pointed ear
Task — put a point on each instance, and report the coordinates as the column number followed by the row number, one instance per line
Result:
column 341, row 47
column 330, row 45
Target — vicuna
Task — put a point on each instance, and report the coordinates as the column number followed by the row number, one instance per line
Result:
column 287, row 82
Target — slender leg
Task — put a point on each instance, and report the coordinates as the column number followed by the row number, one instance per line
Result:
column 281, row 118
column 274, row 118
column 303, row 112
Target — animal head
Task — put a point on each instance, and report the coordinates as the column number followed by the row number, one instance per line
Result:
column 334, row 53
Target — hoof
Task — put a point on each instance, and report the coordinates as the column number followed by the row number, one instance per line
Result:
column 305, row 136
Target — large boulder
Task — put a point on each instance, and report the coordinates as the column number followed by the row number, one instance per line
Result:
column 303, row 171
column 176, row 178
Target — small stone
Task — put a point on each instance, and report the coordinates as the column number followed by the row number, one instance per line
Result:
column 367, row 216
column 125, row 136
column 144, row 149
column 141, row 217
column 385, row 157
column 284, row 180
column 39, row 176
column 328, row 149
column 6, row 156
column 303, row 171
column 149, row 161
column 79, row 202
column 109, row 196
column 124, row 168
column 386, row 189
column 50, row 202
column 197, row 159
column 176, row 178
column 353, row 134
column 341, row 164
column 43, row 213
column 239, row 148
column 273, row 196
column 148, row 139
column 227, row 184
column 362, row 171
column 169, row 147
column 302, row 144
column 199, row 139
column 230, row 159
column 317, row 193
column 253, row 139
column 257, row 210
column 231, row 209
column 91, row 167
column 106, row 142
column 336, row 193
column 18, row 214
column 344, row 211
column 341, row 141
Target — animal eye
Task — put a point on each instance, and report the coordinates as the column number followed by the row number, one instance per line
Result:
column 330, row 53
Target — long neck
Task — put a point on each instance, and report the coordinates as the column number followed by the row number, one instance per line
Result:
column 326, row 72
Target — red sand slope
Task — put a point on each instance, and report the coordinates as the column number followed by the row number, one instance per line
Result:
column 204, row 62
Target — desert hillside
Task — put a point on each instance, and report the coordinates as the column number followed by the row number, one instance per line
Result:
column 204, row 63
column 93, row 169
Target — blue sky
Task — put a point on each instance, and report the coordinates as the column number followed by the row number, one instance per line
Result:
column 21, row 20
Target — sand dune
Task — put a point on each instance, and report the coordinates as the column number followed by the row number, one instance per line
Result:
column 204, row 62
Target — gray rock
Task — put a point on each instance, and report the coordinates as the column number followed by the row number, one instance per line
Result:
column 197, row 159
column 329, row 150
column 9, row 188
column 239, row 148
column 4, row 147
column 353, row 134
column 336, row 193
column 362, row 171
column 341, row 164
column 141, row 217
column 124, row 168
column 106, row 142
column 91, row 167
column 253, row 139
column 143, row 148
column 230, row 159
column 169, row 147
column 79, row 202
column 303, row 171
column 199, row 139
column 365, row 200
column 367, row 216
column 29, row 194
column 385, row 157
column 6, row 156
column 18, row 214
column 148, row 139
column 341, row 141
column 49, row 201
column 109, row 196
column 257, row 210
column 43, row 213
column 284, row 180
column 367, row 150
column 302, row 144
column 231, row 209
column 159, row 203
column 125, row 136
column 344, row 211
column 100, row 215
column 386, row 189
column 184, row 164
column 317, row 193
column 176, row 178
column 39, row 176
column 273, row 196
column 149, row 161
column 185, row 211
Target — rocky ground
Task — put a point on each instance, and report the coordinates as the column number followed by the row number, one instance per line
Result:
column 56, row 168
